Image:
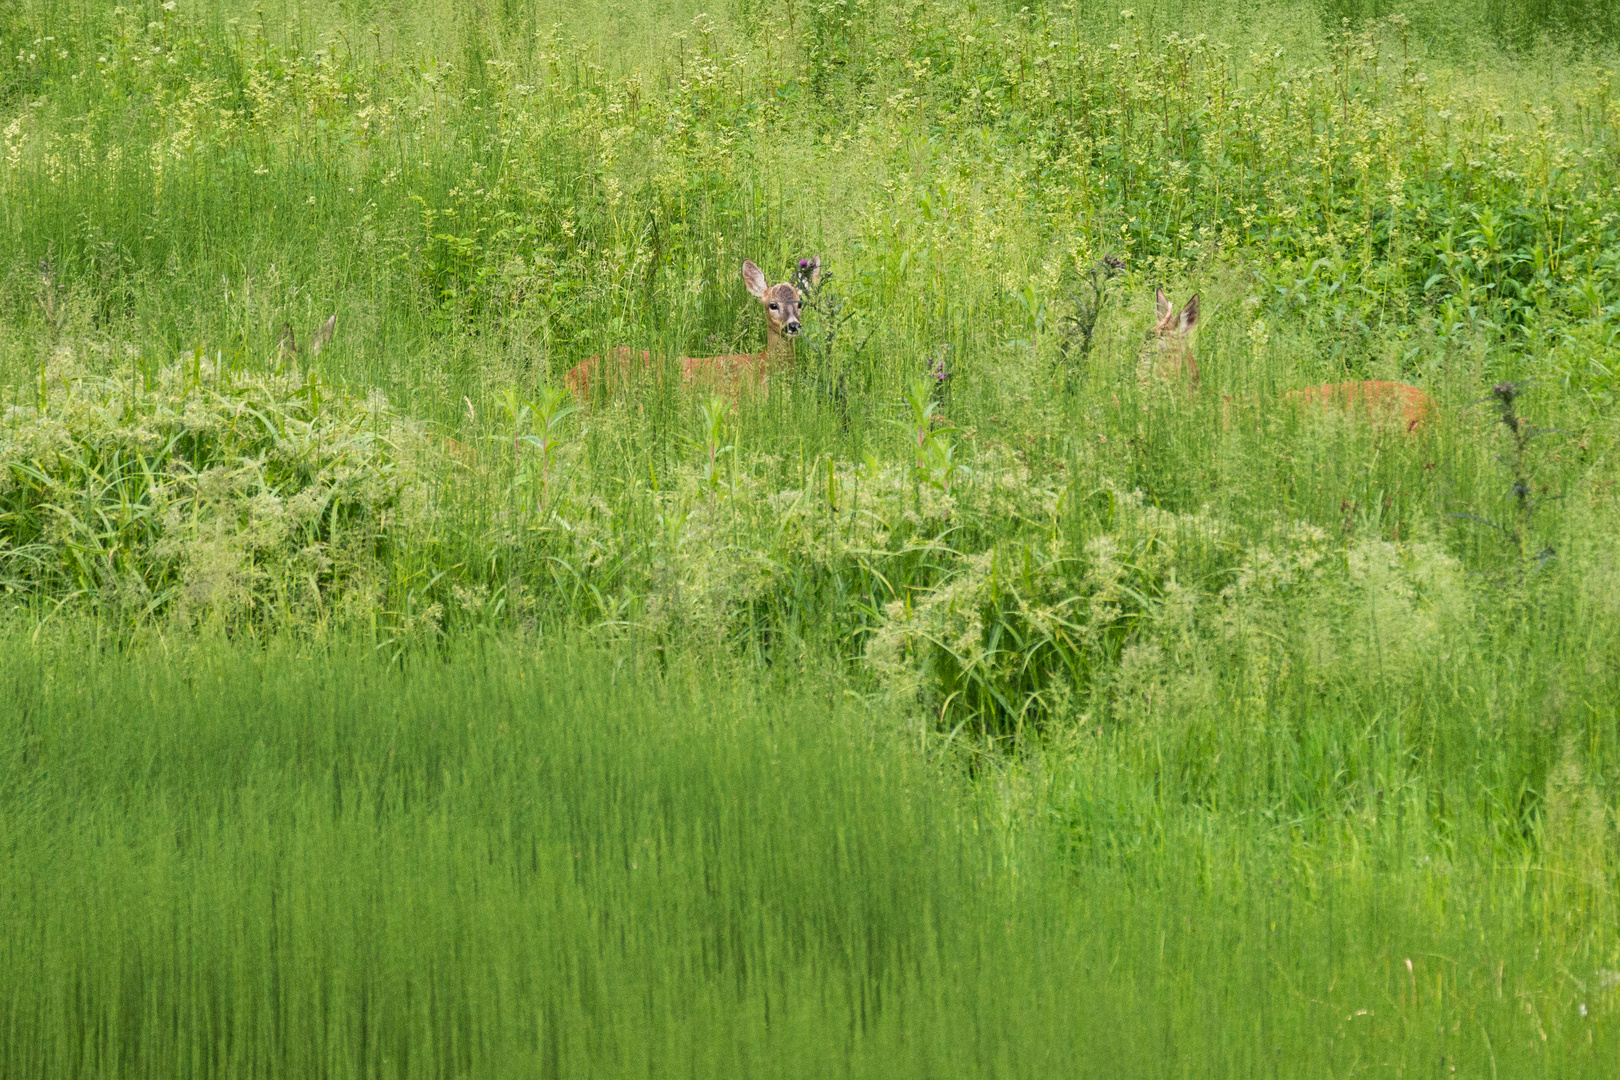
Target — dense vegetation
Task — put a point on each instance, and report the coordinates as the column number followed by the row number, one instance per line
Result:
column 976, row 702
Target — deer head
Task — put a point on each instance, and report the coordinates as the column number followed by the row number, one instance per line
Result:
column 1168, row 342
column 781, row 304
column 320, row 339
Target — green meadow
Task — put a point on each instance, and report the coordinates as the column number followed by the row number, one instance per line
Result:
column 983, row 696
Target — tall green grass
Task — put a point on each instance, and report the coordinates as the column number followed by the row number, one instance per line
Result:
column 539, row 861
column 490, row 198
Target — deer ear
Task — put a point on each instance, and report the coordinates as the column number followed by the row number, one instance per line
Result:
column 1163, row 303
column 323, row 336
column 815, row 270
column 1189, row 313
column 754, row 278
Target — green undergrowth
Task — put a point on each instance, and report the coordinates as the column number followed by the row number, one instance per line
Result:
column 1003, row 587
column 527, row 860
column 191, row 493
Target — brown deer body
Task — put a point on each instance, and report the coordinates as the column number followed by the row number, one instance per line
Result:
column 729, row 374
column 1169, row 351
column 1379, row 398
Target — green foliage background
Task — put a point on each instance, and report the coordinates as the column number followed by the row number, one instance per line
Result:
column 974, row 702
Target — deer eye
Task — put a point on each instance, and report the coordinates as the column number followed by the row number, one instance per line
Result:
column 773, row 307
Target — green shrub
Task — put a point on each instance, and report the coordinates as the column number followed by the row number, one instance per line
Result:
column 200, row 494
column 1026, row 633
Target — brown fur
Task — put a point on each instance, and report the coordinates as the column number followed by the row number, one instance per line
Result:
column 459, row 452
column 1378, row 397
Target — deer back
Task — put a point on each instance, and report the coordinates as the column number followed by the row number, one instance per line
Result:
column 1379, row 398
column 729, row 374
column 622, row 362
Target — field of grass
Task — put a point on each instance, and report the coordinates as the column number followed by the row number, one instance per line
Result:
column 527, row 862
column 977, row 702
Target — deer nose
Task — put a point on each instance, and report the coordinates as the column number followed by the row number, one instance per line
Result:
column 793, row 326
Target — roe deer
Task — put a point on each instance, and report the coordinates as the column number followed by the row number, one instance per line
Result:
column 1168, row 350
column 1170, row 354
column 319, row 340
column 459, row 452
column 731, row 372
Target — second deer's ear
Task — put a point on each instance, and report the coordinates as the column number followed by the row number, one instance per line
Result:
column 1189, row 313
column 815, row 270
column 1162, row 303
column 323, row 336
column 754, row 278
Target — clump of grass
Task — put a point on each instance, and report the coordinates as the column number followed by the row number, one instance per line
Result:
column 194, row 493
column 1522, row 500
